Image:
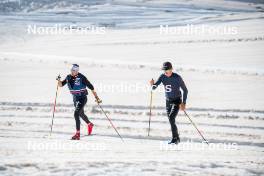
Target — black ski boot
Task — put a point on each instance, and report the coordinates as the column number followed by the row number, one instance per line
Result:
column 175, row 140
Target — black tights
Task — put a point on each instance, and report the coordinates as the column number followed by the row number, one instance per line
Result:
column 79, row 104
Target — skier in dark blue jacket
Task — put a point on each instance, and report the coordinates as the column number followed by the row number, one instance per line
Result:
column 77, row 84
column 174, row 99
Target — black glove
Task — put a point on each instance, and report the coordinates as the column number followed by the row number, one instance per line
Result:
column 97, row 100
column 58, row 78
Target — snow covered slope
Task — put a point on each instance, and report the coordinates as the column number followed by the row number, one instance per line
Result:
column 236, row 142
column 224, row 75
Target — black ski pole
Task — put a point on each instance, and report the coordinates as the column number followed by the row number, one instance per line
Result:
column 54, row 106
column 195, row 127
column 110, row 121
column 150, row 110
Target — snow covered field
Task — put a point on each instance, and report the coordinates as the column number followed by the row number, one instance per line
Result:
column 224, row 75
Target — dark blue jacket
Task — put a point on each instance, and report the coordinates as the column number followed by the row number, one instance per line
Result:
column 172, row 86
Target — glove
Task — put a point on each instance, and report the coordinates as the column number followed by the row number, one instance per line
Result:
column 97, row 100
column 58, row 78
column 182, row 106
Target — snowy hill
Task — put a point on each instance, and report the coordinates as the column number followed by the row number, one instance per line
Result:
column 131, row 13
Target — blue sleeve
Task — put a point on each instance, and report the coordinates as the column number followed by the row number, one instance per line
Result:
column 157, row 83
column 184, row 89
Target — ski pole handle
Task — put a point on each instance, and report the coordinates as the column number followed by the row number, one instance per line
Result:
column 58, row 77
column 98, row 100
column 151, row 82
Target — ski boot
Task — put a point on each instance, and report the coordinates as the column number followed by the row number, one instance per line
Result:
column 90, row 128
column 76, row 136
column 175, row 140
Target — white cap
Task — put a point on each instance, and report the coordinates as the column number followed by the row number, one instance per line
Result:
column 75, row 67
